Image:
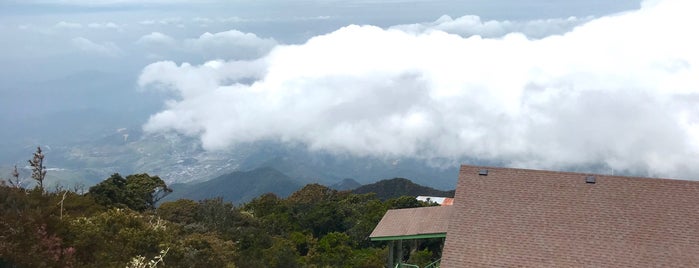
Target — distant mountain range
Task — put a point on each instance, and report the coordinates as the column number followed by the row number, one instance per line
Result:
column 346, row 185
column 237, row 187
column 180, row 159
column 386, row 189
column 241, row 187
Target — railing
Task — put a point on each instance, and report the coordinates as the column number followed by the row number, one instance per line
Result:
column 401, row 265
column 434, row 264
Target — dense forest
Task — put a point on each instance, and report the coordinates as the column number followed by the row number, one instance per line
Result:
column 397, row 187
column 118, row 223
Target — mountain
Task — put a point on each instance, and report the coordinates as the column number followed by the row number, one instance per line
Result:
column 237, row 187
column 346, row 184
column 177, row 158
column 324, row 167
column 386, row 189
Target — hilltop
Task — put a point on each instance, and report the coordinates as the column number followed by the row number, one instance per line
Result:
column 238, row 187
column 396, row 187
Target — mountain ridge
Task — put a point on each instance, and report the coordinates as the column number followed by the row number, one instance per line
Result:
column 238, row 187
column 396, row 187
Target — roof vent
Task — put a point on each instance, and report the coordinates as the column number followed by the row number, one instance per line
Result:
column 591, row 179
column 483, row 172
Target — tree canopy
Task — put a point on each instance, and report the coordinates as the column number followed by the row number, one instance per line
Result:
column 139, row 192
column 118, row 224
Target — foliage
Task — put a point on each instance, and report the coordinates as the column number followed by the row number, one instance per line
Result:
column 15, row 180
column 139, row 192
column 421, row 258
column 144, row 191
column 333, row 250
column 28, row 230
column 116, row 225
column 201, row 250
column 282, row 254
column 140, row 261
column 182, row 211
column 114, row 237
column 38, row 168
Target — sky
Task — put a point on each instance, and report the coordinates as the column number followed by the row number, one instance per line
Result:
column 533, row 84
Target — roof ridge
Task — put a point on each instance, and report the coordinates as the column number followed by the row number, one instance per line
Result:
column 463, row 166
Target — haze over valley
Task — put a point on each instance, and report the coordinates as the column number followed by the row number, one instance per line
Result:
column 327, row 90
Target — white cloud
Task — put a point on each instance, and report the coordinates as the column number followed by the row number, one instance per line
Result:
column 157, row 39
column 232, row 19
column 473, row 25
column 106, row 48
column 620, row 91
column 68, row 25
column 230, row 44
column 203, row 21
column 165, row 21
column 107, row 25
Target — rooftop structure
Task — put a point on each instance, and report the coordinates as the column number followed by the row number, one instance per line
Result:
column 412, row 223
column 533, row 218
column 505, row 217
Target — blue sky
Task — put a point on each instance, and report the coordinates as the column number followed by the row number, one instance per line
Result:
column 538, row 84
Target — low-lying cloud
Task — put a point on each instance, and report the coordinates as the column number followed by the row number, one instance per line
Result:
column 231, row 44
column 619, row 91
column 106, row 49
column 470, row 25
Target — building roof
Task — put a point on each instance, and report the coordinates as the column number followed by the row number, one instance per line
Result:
column 533, row 218
column 412, row 223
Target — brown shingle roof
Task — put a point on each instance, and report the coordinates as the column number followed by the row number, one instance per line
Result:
column 532, row 218
column 412, row 222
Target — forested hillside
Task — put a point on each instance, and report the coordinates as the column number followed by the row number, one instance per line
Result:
column 386, row 189
column 116, row 224
column 238, row 187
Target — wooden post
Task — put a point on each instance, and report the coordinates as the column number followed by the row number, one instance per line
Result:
column 400, row 251
column 390, row 254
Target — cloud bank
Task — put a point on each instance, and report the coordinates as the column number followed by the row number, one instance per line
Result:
column 107, row 48
column 470, row 25
column 231, row 44
column 619, row 91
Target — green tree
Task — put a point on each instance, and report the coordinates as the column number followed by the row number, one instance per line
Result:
column 183, row 211
column 145, row 190
column 421, row 257
column 113, row 238
column 312, row 193
column 30, row 230
column 405, row 202
column 273, row 213
column 201, row 250
column 282, row 254
column 366, row 212
column 110, row 192
column 218, row 216
column 315, row 207
column 139, row 192
column 333, row 250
